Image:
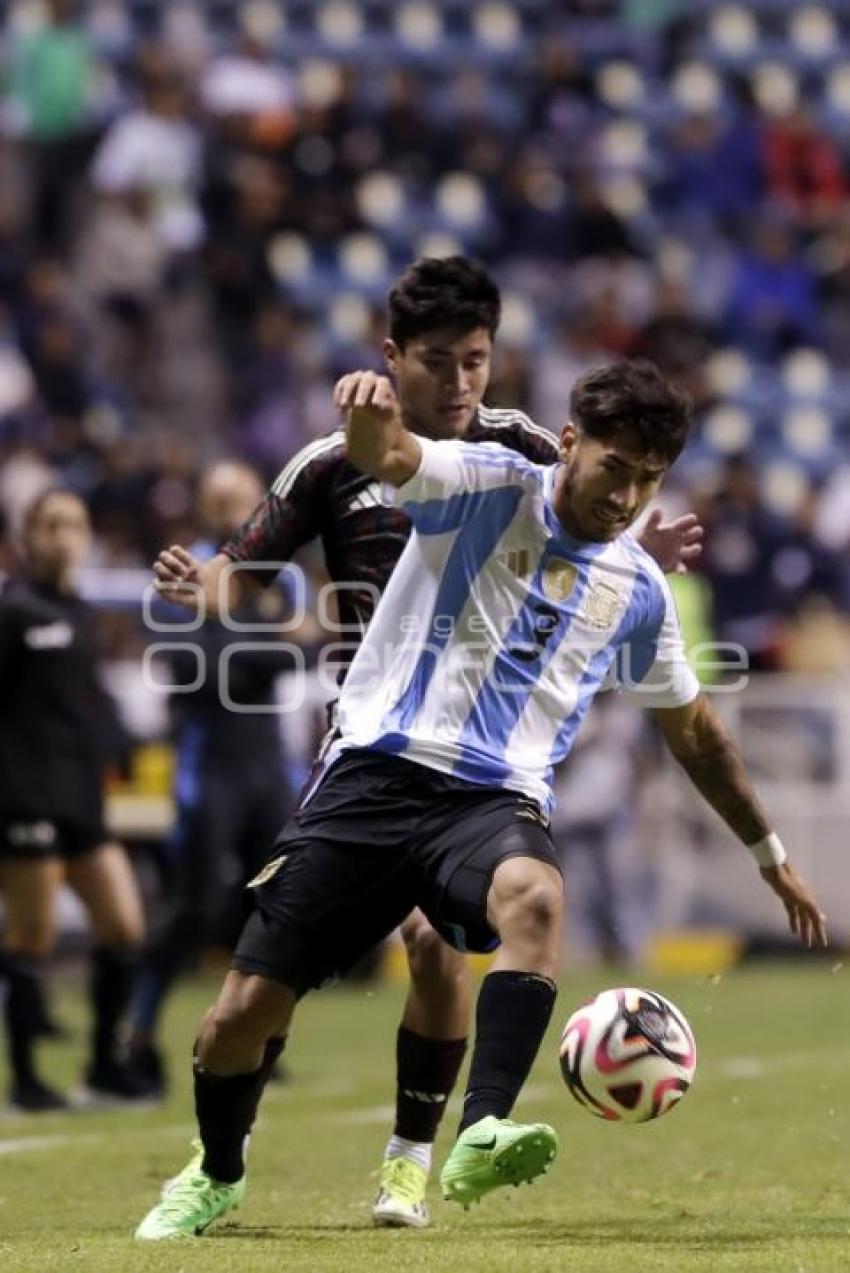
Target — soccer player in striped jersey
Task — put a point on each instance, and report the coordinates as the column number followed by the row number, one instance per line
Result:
column 519, row 594
column 443, row 316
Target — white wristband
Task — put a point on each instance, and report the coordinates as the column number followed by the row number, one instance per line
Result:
column 769, row 851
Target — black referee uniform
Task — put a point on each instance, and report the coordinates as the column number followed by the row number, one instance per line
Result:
column 57, row 724
column 58, row 727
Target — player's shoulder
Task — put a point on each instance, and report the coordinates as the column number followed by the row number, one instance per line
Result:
column 515, row 429
column 315, row 457
column 647, row 570
column 636, row 555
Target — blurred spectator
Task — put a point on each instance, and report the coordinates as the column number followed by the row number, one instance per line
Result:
column 760, row 566
column 55, row 355
column 155, row 150
column 52, row 94
column 246, row 202
column 230, row 784
column 703, row 146
column 773, row 305
column 803, row 167
column 272, row 385
column 121, row 270
column 594, row 825
column 676, row 339
column 619, row 220
column 248, row 95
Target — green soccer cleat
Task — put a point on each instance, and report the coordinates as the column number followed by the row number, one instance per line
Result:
column 189, row 1204
column 400, row 1203
column 495, row 1152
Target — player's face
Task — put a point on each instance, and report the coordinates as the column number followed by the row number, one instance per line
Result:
column 58, row 539
column 605, row 484
column 440, row 378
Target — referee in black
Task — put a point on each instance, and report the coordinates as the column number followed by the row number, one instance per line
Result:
column 57, row 728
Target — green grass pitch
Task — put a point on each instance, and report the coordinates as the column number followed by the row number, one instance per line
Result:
column 751, row 1173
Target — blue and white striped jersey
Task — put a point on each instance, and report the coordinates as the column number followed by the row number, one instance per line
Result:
column 497, row 628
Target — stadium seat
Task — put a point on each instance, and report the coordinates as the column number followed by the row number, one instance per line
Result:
column 349, row 318
column 624, row 146
column 419, row 25
column 320, row 83
column 290, row 258
column 808, row 432
column 363, row 262
column 806, row 374
column 813, row 34
column 340, row 23
column 837, row 96
column 380, row 200
column 438, row 243
column 728, row 373
column 518, row 325
column 497, row 26
column 696, row 88
column 728, row 429
column 185, row 31
column 784, row 486
column 109, row 27
column 625, row 194
column 775, row 88
column 460, row 201
column 620, row 85
column 264, row 21
column 733, row 34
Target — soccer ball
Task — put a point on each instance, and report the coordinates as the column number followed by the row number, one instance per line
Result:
column 628, row 1055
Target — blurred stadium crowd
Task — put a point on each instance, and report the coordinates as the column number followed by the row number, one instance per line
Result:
column 202, row 206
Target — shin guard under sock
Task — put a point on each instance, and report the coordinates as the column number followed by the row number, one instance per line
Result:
column 226, row 1108
column 512, row 1014
column 427, row 1071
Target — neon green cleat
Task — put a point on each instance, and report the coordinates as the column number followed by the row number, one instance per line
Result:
column 400, row 1203
column 495, row 1152
column 189, row 1203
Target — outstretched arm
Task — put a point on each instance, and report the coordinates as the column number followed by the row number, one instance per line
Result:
column 710, row 757
column 377, row 441
column 214, row 585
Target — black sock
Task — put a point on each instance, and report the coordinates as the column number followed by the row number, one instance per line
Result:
column 226, row 1109
column 427, row 1071
column 21, row 974
column 111, row 981
column 511, row 1017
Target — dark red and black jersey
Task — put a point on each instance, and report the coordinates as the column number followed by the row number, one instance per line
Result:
column 319, row 494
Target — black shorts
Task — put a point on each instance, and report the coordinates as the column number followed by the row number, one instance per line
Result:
column 36, row 838
column 381, row 836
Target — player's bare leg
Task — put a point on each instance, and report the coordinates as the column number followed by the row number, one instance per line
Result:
column 29, row 887
column 239, row 1041
column 525, row 907
column 430, row 1047
column 103, row 880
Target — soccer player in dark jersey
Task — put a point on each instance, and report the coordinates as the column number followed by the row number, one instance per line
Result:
column 56, row 729
column 443, row 316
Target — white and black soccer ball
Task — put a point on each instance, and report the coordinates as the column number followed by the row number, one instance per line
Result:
column 628, row 1055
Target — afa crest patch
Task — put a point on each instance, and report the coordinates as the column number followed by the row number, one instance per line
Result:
column 559, row 578
column 600, row 604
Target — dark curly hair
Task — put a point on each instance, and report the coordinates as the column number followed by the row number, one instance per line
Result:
column 453, row 292
column 632, row 396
